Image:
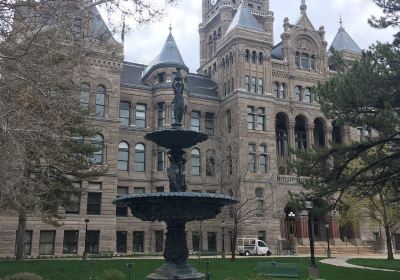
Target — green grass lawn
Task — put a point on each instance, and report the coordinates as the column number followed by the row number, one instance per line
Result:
column 221, row 269
column 378, row 263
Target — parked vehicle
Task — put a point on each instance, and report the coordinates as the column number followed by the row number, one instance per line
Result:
column 252, row 246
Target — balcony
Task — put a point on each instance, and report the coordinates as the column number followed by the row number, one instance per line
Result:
column 291, row 179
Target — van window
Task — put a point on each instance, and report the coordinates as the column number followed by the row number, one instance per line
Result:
column 261, row 244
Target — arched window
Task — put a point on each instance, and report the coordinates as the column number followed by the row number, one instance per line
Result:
column 297, row 59
column 227, row 61
column 276, row 89
column 300, row 133
column 223, row 63
column 210, row 46
column 140, row 157
column 263, row 159
column 98, row 145
column 254, row 57
column 196, row 162
column 100, row 100
column 247, row 56
column 210, row 164
column 85, row 95
column 260, row 58
column 123, row 156
column 219, row 33
column 251, row 158
column 231, row 57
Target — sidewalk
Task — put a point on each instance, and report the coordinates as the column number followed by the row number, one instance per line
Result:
column 342, row 262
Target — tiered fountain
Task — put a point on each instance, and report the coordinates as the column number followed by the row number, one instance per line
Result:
column 176, row 207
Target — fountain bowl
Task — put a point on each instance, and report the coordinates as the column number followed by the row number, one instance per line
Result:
column 176, row 138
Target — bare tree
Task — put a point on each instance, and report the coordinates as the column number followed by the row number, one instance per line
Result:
column 230, row 166
column 43, row 50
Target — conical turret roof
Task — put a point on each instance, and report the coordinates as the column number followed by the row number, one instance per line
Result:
column 243, row 18
column 168, row 57
column 343, row 41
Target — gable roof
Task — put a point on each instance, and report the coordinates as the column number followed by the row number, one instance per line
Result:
column 243, row 18
column 168, row 57
column 343, row 41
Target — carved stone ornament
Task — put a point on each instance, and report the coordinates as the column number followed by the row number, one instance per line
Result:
column 305, row 45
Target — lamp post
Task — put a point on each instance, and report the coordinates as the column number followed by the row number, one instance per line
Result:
column 130, row 266
column 291, row 217
column 291, row 237
column 313, row 272
column 328, row 252
column 223, row 239
column 86, row 230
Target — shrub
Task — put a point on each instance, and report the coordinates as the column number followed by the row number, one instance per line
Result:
column 23, row 276
column 113, row 274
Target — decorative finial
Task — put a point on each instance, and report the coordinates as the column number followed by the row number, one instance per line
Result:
column 170, row 26
column 303, row 7
column 341, row 22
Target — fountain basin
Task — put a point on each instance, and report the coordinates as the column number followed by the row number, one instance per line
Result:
column 176, row 139
column 182, row 206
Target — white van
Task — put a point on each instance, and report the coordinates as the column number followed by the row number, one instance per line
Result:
column 252, row 246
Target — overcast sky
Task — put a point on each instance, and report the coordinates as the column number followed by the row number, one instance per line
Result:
column 144, row 44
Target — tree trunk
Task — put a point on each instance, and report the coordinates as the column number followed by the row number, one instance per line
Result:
column 234, row 241
column 389, row 246
column 20, row 240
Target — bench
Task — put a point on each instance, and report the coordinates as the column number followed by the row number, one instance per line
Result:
column 274, row 269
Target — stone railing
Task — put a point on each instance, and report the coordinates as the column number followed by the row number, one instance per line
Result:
column 291, row 179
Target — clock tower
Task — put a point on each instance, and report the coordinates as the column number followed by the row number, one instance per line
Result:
column 217, row 15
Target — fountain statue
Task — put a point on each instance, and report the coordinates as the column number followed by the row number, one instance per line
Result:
column 176, row 207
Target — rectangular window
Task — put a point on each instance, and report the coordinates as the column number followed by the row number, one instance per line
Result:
column 283, row 90
column 70, row 243
column 159, row 245
column 161, row 77
column 297, row 59
column 209, row 123
column 397, row 242
column 298, row 96
column 46, row 242
column 262, row 235
column 141, row 115
column 138, row 241
column 139, row 190
column 121, row 210
column 276, row 89
column 250, row 118
column 125, row 113
column 251, row 158
column 160, row 160
column 121, row 241
column 74, row 199
column 92, row 241
column 212, row 241
column 261, row 119
column 247, row 83
column 260, row 208
column 260, row 86
column 195, row 120
column 160, row 115
column 28, row 243
column 305, row 58
column 307, row 95
column 94, row 199
column 85, row 96
column 253, row 84
column 160, row 189
column 196, row 241
column 229, row 121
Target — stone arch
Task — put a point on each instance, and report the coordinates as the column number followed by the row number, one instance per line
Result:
column 319, row 132
column 300, row 132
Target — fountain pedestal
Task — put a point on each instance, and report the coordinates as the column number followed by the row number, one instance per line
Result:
column 176, row 207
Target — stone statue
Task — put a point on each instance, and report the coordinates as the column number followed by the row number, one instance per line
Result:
column 179, row 100
column 177, row 182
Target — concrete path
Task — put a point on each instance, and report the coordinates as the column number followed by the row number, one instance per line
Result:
column 342, row 261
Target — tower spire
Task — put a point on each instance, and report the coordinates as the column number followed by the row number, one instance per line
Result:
column 303, row 7
column 341, row 22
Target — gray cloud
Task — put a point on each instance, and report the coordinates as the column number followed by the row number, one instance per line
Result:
column 144, row 44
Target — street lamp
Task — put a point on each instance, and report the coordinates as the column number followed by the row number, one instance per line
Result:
column 328, row 252
column 313, row 272
column 223, row 239
column 130, row 266
column 86, row 230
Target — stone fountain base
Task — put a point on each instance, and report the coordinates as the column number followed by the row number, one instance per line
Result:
column 172, row 271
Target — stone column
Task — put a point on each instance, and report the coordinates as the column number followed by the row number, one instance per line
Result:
column 291, row 136
column 302, row 227
column 310, row 136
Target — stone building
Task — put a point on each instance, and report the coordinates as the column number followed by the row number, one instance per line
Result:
column 248, row 89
